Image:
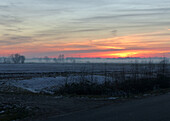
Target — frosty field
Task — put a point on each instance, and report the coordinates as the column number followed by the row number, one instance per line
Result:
column 38, row 78
column 60, row 67
column 68, row 67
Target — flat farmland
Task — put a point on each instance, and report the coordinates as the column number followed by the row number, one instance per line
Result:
column 45, row 77
column 66, row 67
column 62, row 69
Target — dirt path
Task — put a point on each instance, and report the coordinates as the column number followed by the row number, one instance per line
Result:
column 155, row 108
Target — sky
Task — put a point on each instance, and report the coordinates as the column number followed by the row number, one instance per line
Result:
column 85, row 28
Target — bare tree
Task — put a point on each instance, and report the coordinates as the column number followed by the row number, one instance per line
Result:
column 61, row 57
column 22, row 59
column 135, row 70
column 55, row 60
column 6, row 60
column 1, row 60
column 163, row 66
column 47, row 59
column 17, row 58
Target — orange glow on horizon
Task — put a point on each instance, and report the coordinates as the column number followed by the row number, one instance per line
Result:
column 124, row 54
column 142, row 45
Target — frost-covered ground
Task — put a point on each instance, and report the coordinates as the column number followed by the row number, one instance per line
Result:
column 67, row 67
column 55, row 67
column 96, row 60
column 47, row 77
column 49, row 84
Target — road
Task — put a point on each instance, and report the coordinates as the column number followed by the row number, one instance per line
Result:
column 156, row 108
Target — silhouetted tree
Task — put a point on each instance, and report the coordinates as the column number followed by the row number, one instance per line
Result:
column 47, row 59
column 61, row 57
column 163, row 66
column 17, row 58
column 6, row 60
column 55, row 60
column 22, row 59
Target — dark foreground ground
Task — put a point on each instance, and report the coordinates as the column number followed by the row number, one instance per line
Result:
column 31, row 107
column 154, row 108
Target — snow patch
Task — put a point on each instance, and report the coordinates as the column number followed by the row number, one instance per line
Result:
column 47, row 84
column 1, row 112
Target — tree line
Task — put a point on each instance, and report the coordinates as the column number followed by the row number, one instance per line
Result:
column 14, row 58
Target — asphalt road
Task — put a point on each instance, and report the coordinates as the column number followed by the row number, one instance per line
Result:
column 155, row 108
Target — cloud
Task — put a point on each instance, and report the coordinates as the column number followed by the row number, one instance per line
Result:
column 14, row 29
column 145, row 9
column 80, row 46
column 9, row 20
column 3, row 7
column 114, row 32
column 52, row 53
column 120, row 16
column 90, row 51
column 15, row 40
column 154, row 34
column 86, row 30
